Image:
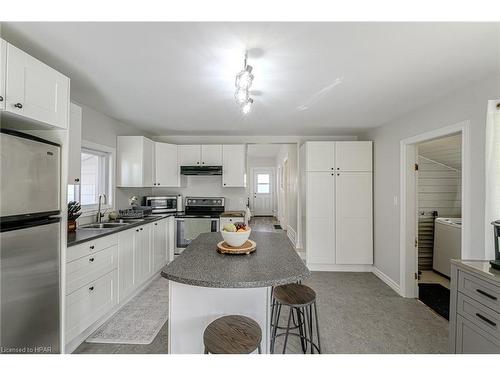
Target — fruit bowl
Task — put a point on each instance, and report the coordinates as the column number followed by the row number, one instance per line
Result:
column 236, row 239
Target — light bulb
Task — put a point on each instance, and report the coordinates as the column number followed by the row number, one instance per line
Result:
column 247, row 107
column 241, row 96
column 244, row 78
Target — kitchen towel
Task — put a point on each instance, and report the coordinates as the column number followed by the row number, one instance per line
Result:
column 194, row 227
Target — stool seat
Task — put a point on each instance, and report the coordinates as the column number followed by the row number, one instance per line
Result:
column 232, row 334
column 295, row 295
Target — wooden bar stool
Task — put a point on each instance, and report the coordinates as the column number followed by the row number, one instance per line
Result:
column 232, row 334
column 300, row 299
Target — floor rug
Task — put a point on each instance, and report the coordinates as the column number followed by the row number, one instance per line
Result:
column 140, row 320
column 437, row 297
column 277, row 226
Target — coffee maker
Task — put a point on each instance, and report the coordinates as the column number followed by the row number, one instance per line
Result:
column 496, row 230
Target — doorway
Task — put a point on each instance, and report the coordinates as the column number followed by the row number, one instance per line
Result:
column 263, row 191
column 415, row 205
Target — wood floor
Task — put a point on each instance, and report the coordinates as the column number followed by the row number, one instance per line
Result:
column 358, row 313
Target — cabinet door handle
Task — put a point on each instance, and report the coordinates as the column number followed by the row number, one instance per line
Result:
column 137, row 230
column 91, row 260
column 1, row 98
column 18, row 105
column 158, row 184
column 156, row 223
column 142, row 228
column 490, row 322
column 91, row 247
column 91, row 288
column 486, row 294
column 77, row 180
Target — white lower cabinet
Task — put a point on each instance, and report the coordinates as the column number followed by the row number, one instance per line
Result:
column 89, row 303
column 170, row 238
column 142, row 253
column 159, row 245
column 126, row 264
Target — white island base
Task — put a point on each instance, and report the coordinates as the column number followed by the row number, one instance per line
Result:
column 192, row 308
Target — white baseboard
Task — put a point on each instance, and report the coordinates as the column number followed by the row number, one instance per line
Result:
column 291, row 235
column 75, row 343
column 340, row 267
column 386, row 279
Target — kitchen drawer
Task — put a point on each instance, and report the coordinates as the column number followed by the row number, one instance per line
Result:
column 482, row 316
column 90, row 303
column 89, row 268
column 471, row 339
column 89, row 247
column 480, row 290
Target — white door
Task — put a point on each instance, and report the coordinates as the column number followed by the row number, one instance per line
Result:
column 126, row 264
column 166, row 167
column 320, row 156
column 263, row 191
column 3, row 67
column 189, row 155
column 355, row 156
column 35, row 90
column 75, row 144
column 320, row 223
column 211, row 155
column 234, row 165
column 354, row 229
column 159, row 240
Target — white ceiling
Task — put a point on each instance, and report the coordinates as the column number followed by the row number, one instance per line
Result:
column 447, row 151
column 310, row 78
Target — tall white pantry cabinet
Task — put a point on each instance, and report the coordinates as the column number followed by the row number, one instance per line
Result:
column 338, row 205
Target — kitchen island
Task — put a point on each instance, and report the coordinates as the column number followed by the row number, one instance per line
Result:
column 205, row 285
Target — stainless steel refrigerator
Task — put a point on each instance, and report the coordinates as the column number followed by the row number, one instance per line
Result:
column 30, row 230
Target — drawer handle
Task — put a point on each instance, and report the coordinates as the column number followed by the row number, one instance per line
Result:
column 91, row 288
column 91, row 259
column 142, row 228
column 491, row 323
column 486, row 294
column 92, row 247
column 18, row 105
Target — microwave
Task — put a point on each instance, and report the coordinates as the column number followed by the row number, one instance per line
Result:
column 160, row 205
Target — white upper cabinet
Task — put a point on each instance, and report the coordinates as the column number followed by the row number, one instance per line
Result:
column 355, row 156
column 35, row 90
column 208, row 155
column 211, row 155
column 3, row 67
column 75, row 144
column 166, row 166
column 189, row 155
column 135, row 161
column 320, row 156
column 354, row 227
column 234, row 165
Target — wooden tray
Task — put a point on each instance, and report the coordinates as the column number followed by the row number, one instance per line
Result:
column 247, row 248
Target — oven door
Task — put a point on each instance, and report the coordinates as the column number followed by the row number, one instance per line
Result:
column 180, row 238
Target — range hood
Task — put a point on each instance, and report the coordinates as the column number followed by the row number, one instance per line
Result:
column 198, row 170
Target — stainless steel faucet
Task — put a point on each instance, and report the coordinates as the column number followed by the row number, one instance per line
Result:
column 99, row 215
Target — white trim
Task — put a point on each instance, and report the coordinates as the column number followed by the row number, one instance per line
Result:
column 291, row 235
column 340, row 267
column 386, row 279
column 407, row 286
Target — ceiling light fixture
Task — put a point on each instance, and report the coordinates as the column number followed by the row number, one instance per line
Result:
column 247, row 107
column 243, row 83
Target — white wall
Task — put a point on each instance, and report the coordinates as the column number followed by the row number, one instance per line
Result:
column 101, row 129
column 468, row 103
column 439, row 188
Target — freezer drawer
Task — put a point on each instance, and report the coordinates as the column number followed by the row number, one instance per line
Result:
column 30, row 182
column 29, row 272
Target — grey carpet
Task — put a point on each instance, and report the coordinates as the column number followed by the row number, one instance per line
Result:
column 140, row 320
column 358, row 313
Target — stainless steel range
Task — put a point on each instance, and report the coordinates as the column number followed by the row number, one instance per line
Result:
column 201, row 215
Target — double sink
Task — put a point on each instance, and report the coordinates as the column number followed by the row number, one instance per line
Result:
column 116, row 223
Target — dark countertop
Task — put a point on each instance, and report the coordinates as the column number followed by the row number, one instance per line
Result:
column 275, row 262
column 84, row 235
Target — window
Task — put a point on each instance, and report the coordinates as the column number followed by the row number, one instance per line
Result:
column 95, row 177
column 263, row 183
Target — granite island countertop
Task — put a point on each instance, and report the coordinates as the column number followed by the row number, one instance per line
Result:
column 480, row 267
column 275, row 262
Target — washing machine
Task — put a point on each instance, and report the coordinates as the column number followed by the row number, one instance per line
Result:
column 447, row 243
